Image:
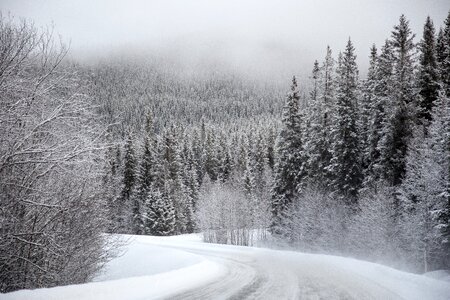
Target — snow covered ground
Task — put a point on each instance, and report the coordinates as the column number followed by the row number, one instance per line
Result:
column 182, row 267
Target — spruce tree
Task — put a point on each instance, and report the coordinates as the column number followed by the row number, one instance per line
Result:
column 160, row 220
column 128, row 184
column 381, row 102
column 440, row 142
column 445, row 57
column 425, row 190
column 290, row 168
column 345, row 164
column 317, row 142
column 402, row 109
column 147, row 172
column 367, row 108
column 428, row 71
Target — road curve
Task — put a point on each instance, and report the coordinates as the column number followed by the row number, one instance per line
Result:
column 269, row 274
column 183, row 267
column 257, row 273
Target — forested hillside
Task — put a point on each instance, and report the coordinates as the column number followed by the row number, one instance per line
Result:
column 339, row 163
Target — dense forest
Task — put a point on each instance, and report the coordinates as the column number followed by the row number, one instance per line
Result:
column 339, row 164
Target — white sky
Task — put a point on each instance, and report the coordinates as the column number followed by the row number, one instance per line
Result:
column 284, row 36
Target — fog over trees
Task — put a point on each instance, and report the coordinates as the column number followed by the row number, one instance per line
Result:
column 336, row 163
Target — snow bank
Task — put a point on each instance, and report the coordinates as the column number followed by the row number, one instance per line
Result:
column 440, row 275
column 161, row 267
column 371, row 276
column 147, row 270
column 143, row 256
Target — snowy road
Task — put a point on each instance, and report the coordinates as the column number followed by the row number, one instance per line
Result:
column 185, row 268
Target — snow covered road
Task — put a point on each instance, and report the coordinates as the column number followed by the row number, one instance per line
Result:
column 185, row 268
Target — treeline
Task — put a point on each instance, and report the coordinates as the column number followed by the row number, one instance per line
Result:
column 125, row 90
column 163, row 184
column 363, row 166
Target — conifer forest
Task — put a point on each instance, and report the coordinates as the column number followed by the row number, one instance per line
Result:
column 338, row 160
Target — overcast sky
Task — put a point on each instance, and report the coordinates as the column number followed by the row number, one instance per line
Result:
column 253, row 35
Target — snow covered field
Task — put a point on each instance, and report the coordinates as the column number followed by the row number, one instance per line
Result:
column 182, row 267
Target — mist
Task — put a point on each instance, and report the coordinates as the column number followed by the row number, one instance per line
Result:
column 252, row 37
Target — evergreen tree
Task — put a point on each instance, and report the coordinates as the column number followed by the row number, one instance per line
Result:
column 444, row 56
column 315, row 81
column 318, row 127
column 271, row 148
column 160, row 219
column 328, row 84
column 397, row 131
column 147, row 173
column 426, row 191
column 367, row 108
column 440, row 48
column 381, row 85
column 224, row 160
column 290, row 168
column 428, row 71
column 128, row 184
column 210, row 156
column 440, row 142
column 345, row 164
column 111, row 184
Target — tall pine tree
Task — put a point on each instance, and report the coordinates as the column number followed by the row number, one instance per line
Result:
column 402, row 109
column 290, row 168
column 345, row 164
column 428, row 71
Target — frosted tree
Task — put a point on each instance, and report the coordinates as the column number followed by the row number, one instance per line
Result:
column 52, row 157
column 428, row 71
column 210, row 156
column 440, row 137
column 444, row 55
column 290, row 168
column 112, row 184
column 317, row 129
column 160, row 218
column 146, row 174
column 373, row 230
column 128, row 212
column 403, row 109
column 380, row 84
column 367, row 108
column 224, row 160
column 345, row 164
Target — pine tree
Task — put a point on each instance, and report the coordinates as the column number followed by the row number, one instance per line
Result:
column 175, row 190
column 271, row 148
column 290, row 168
column 147, row 172
column 345, row 164
column 403, row 109
column 315, row 81
column 440, row 48
column 428, row 71
column 128, row 184
column 160, row 219
column 444, row 56
column 317, row 142
column 328, row 83
column 210, row 156
column 440, row 142
column 111, row 184
column 224, row 160
column 382, row 97
column 425, row 190
column 367, row 108
column 197, row 155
